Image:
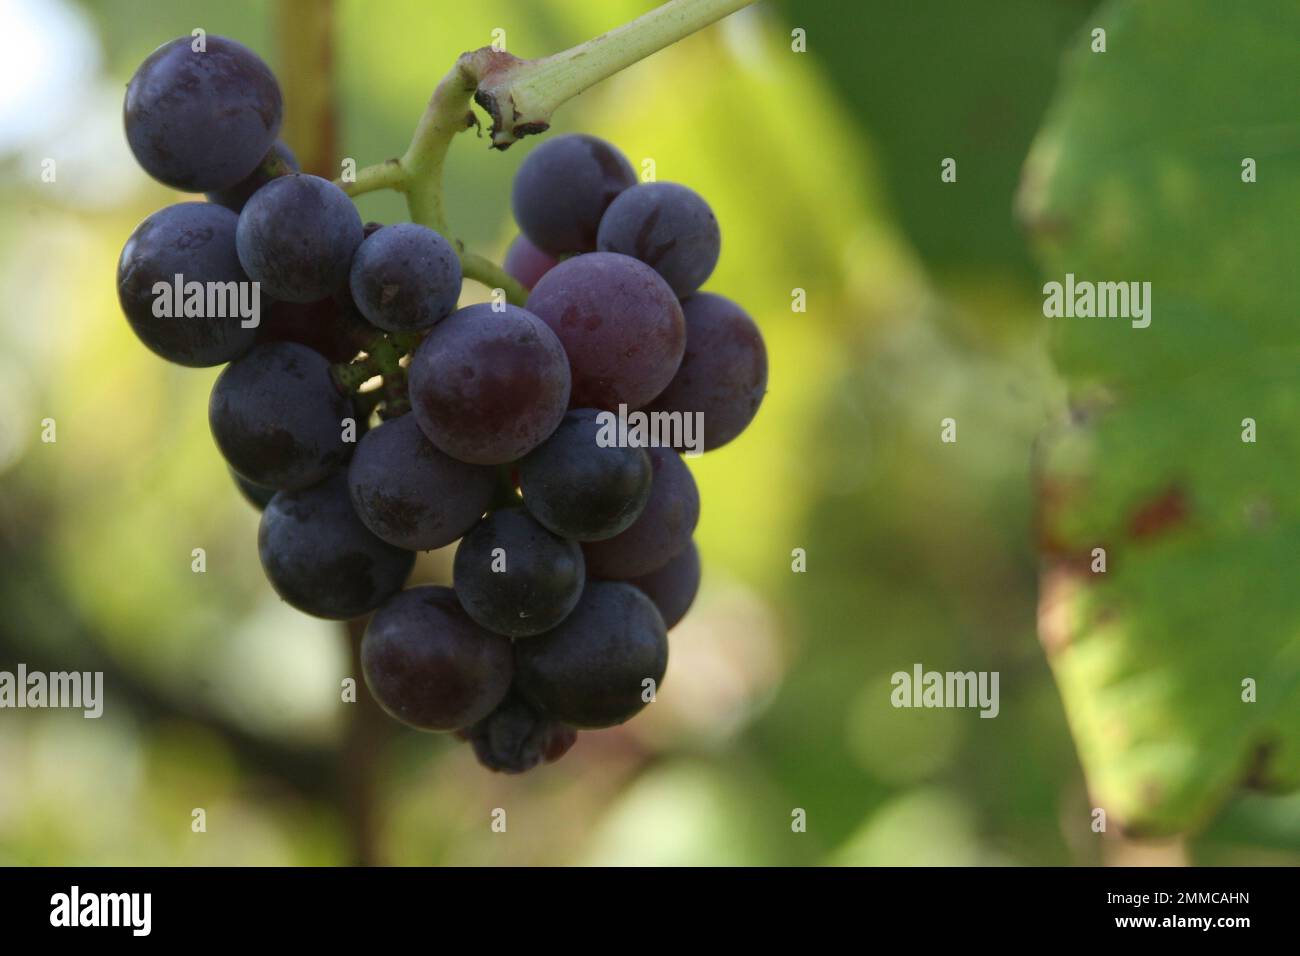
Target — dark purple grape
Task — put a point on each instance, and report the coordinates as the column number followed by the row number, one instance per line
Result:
column 201, row 121
column 514, row 577
column 488, row 387
column 621, row 326
column 297, row 235
column 331, row 326
column 562, row 189
column 280, row 161
column 723, row 374
column 580, row 489
column 412, row 495
column 278, row 417
column 591, row 670
column 255, row 494
column 321, row 559
column 430, row 666
column 405, row 278
column 517, row 736
column 673, row 587
column 526, row 263
column 669, row 228
column 196, row 241
column 662, row 531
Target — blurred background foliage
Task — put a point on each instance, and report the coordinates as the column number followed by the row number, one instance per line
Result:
column 922, row 304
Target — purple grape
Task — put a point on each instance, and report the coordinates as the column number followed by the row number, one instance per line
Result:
column 321, row 559
column 201, row 121
column 487, row 387
column 278, row 418
column 297, row 235
column 590, row 671
column 412, row 495
column 196, row 241
column 514, row 577
column 431, row 667
column 517, row 736
column 526, row 263
column 280, row 161
column 621, row 326
column 723, row 374
column 669, row 228
column 562, row 189
column 580, row 489
column 405, row 277
column 661, row 533
column 673, row 587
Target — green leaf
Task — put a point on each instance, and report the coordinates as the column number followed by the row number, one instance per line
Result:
column 930, row 80
column 1137, row 176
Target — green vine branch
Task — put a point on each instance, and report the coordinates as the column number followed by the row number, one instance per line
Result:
column 520, row 96
column 386, row 175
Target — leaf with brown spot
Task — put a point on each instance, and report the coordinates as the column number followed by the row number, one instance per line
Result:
column 1141, row 157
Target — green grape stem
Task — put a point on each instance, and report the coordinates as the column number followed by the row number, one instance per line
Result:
column 383, row 357
column 520, row 96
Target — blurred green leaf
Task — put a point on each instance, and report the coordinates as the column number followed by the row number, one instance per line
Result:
column 930, row 79
column 1137, row 176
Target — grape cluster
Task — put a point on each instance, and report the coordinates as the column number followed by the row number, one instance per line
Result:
column 576, row 553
